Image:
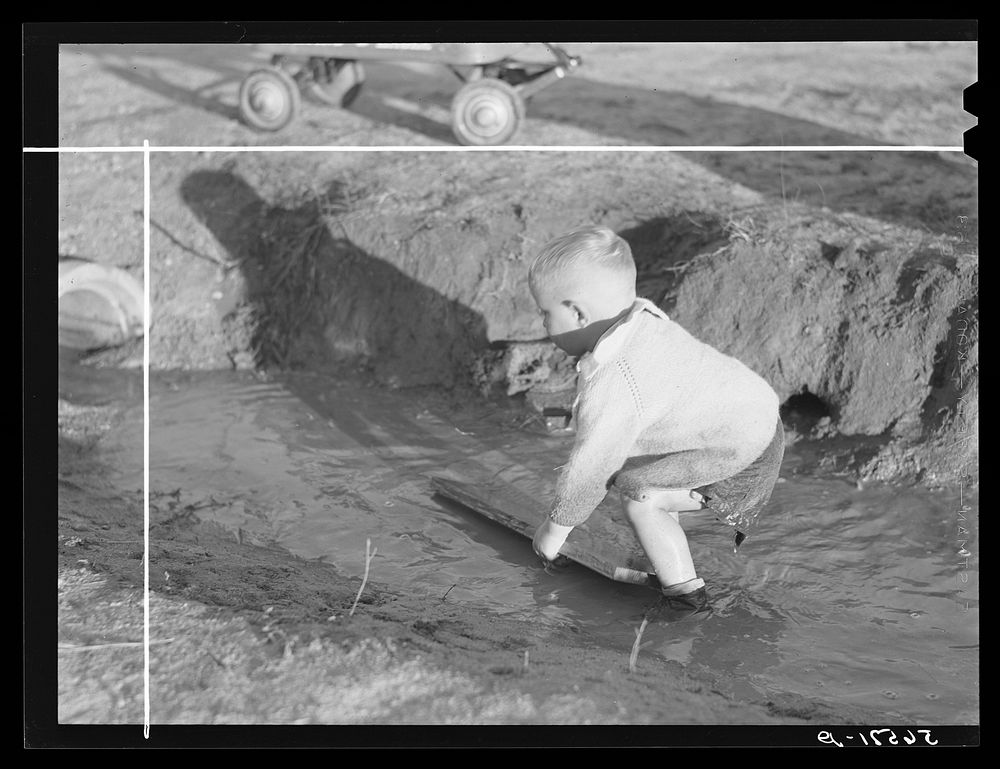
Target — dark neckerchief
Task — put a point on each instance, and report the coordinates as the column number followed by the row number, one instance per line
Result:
column 583, row 340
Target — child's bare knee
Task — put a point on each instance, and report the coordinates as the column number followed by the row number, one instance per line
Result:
column 636, row 509
column 660, row 500
column 676, row 500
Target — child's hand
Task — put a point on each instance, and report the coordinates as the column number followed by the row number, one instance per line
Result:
column 549, row 537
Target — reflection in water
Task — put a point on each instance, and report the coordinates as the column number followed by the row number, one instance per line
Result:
column 846, row 594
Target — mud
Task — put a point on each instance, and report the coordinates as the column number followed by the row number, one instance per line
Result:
column 244, row 632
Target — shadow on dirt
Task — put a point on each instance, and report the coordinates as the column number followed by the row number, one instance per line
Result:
column 663, row 246
column 314, row 297
column 386, row 111
column 664, row 117
column 149, row 78
column 920, row 190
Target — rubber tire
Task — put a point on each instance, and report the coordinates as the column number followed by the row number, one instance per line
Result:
column 508, row 106
column 281, row 86
column 343, row 89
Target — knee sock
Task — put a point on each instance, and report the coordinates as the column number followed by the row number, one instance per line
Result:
column 681, row 588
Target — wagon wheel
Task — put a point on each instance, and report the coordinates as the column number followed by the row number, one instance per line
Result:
column 269, row 99
column 486, row 111
column 336, row 82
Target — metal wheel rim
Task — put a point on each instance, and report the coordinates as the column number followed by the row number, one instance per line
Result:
column 267, row 99
column 486, row 115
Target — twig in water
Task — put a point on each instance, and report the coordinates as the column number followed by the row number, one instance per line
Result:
column 925, row 671
column 369, row 554
column 635, row 646
column 448, row 591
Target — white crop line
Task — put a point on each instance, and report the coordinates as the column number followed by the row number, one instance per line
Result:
column 516, row 148
column 145, row 433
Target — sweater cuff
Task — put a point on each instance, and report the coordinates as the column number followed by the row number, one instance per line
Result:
column 567, row 518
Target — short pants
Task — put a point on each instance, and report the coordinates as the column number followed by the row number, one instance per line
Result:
column 737, row 500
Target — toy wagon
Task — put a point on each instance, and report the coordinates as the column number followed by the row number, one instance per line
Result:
column 488, row 109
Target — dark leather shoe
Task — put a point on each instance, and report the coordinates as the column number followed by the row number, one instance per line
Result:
column 670, row 608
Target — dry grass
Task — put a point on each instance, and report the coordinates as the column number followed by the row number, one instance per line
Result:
column 291, row 257
column 369, row 555
column 636, row 645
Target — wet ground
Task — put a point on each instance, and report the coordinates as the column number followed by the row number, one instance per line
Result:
column 852, row 596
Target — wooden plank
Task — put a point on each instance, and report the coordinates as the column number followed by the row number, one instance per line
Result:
column 605, row 543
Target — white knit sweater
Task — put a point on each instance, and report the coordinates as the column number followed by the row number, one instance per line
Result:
column 649, row 389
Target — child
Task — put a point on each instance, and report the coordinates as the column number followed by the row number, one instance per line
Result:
column 669, row 421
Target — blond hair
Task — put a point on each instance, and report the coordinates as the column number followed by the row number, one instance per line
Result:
column 575, row 257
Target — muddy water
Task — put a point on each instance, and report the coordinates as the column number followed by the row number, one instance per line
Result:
column 846, row 595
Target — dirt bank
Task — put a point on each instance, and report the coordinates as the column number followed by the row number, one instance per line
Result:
column 414, row 268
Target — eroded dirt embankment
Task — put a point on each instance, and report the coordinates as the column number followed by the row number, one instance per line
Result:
column 413, row 267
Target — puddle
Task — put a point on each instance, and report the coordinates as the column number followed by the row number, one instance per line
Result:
column 849, row 595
